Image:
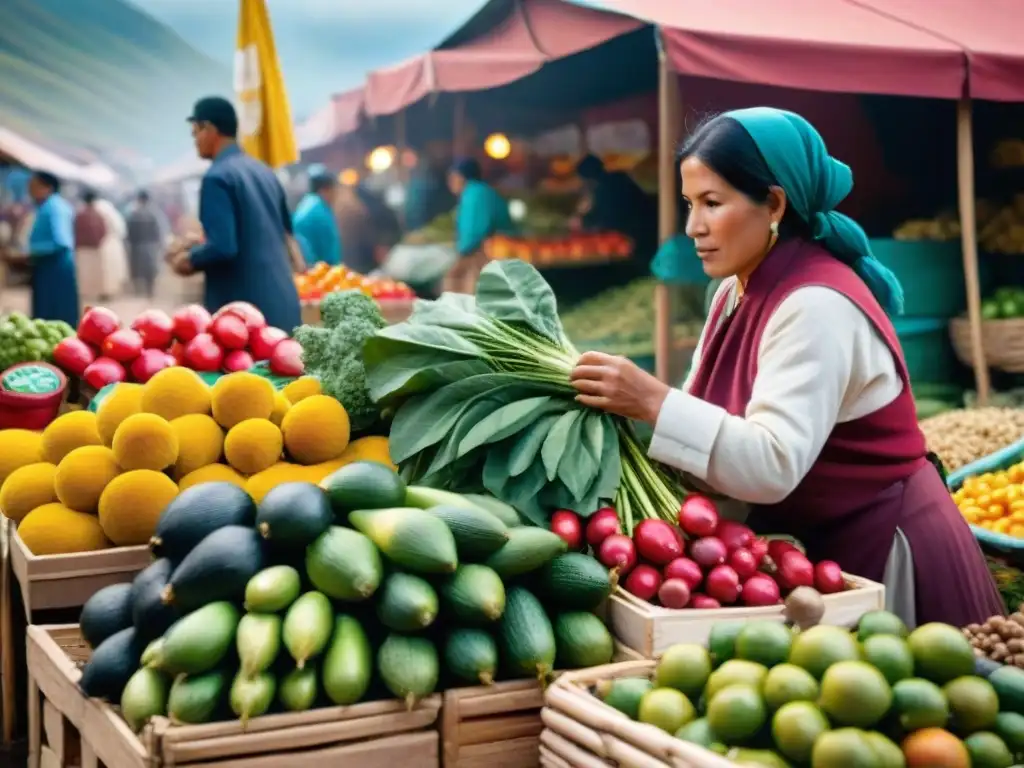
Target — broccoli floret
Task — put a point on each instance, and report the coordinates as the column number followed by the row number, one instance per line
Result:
column 334, row 353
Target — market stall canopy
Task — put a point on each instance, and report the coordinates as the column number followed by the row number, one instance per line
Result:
column 990, row 37
column 338, row 117
column 531, row 33
column 819, row 45
column 34, row 156
column 187, row 167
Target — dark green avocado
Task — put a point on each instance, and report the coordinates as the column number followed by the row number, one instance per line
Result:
column 196, row 513
column 106, row 613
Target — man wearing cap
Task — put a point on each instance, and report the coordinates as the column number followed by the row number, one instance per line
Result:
column 246, row 224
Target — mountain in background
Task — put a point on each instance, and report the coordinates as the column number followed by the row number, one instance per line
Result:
column 100, row 74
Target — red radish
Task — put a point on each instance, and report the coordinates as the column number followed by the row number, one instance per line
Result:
column 759, row 549
column 703, row 602
column 103, row 371
column 777, row 548
column 795, row 571
column 96, row 324
column 245, row 311
column 237, row 360
column 759, row 590
column 686, row 569
column 734, row 535
column 708, row 552
column 203, row 353
column 287, row 359
column 568, row 526
column 644, row 582
column 149, row 363
column 73, row 355
column 617, row 551
column 229, row 331
column 698, row 515
column 743, row 562
column 656, row 542
column 674, row 593
column 723, row 584
column 123, row 345
column 155, row 327
column 828, row 577
column 263, row 340
column 601, row 525
column 190, row 321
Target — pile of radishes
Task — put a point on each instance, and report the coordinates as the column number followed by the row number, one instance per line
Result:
column 704, row 562
column 233, row 339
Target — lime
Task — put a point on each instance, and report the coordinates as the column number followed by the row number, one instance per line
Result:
column 685, row 667
column 756, row 758
column 820, row 647
column 666, row 708
column 880, row 623
column 735, row 671
column 1010, row 727
column 855, row 693
column 697, row 732
column 941, row 652
column 843, row 748
column 766, row 642
column 988, row 751
column 887, row 754
column 736, row 713
column 722, row 640
column 890, row 655
column 788, row 682
column 919, row 703
column 795, row 728
column 624, row 694
column 973, row 703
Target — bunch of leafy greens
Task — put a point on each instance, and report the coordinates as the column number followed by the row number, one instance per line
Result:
column 334, row 353
column 481, row 394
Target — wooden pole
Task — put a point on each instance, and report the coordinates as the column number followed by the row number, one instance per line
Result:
column 459, row 126
column 969, row 243
column 669, row 114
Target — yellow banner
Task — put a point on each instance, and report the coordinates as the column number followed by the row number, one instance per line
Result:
column 265, row 128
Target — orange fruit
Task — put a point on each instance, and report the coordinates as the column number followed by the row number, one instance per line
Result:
column 935, row 748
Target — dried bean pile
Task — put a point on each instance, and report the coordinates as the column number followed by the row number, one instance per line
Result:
column 962, row 436
column 1000, row 638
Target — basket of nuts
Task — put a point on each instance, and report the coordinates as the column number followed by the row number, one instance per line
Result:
column 1000, row 638
column 965, row 437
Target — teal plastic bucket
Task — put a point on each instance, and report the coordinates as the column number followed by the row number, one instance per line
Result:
column 927, row 349
column 932, row 274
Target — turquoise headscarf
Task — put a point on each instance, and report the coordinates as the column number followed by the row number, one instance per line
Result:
column 815, row 183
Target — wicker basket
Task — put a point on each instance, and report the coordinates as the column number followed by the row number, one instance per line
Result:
column 1001, row 340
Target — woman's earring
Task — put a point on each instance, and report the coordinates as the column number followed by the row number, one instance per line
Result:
column 774, row 227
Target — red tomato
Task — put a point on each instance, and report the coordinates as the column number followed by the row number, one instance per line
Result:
column 73, row 355
column 203, row 353
column 155, row 327
column 103, row 371
column 229, row 331
column 237, row 360
column 263, row 341
column 150, row 362
column 96, row 324
column 251, row 316
column 287, row 359
column 123, row 345
column 190, row 321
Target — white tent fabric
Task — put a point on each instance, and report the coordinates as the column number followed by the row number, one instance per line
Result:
column 32, row 155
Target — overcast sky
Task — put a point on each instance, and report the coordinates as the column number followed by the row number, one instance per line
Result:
column 325, row 46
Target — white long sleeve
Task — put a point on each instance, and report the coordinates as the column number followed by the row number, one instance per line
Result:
column 820, row 362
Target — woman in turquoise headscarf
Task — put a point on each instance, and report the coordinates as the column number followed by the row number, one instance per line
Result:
column 51, row 249
column 799, row 403
column 482, row 212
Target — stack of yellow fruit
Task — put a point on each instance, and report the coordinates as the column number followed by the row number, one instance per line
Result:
column 994, row 500
column 92, row 481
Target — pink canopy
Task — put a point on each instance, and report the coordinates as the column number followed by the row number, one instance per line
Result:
column 821, row 45
column 536, row 31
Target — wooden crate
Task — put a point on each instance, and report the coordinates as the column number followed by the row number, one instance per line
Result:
column 650, row 629
column 497, row 725
column 67, row 729
column 67, row 581
column 582, row 731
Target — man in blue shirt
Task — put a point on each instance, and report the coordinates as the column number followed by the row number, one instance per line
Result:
column 246, row 223
column 315, row 225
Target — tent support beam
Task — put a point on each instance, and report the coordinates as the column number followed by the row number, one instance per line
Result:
column 669, row 119
column 969, row 243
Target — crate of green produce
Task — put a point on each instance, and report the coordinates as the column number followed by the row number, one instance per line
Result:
column 24, row 340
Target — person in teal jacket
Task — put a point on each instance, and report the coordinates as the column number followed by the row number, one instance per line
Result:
column 314, row 222
column 51, row 249
column 481, row 213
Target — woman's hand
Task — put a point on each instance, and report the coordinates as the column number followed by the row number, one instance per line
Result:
column 617, row 385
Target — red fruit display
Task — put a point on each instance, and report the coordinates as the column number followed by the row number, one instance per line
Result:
column 703, row 602
column 601, row 525
column 743, row 562
column 569, row 527
column 795, row 570
column 189, row 322
column 73, row 355
column 123, row 345
column 698, row 515
column 657, row 542
column 760, row 590
column 644, row 582
column 828, row 577
column 734, row 535
column 674, row 593
column 229, row 331
column 723, row 584
column 96, row 324
column 686, row 569
column 708, row 552
column 103, row 371
column 617, row 551
column 155, row 327
column 237, row 360
column 203, row 353
column 263, row 340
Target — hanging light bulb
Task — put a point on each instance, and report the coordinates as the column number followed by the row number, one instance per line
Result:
column 498, row 146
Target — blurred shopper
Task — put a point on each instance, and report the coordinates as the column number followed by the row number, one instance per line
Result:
column 51, row 248
column 482, row 212
column 614, row 202
column 147, row 232
column 316, row 228
column 113, row 251
column 246, row 255
column 369, row 229
column 427, row 195
column 90, row 232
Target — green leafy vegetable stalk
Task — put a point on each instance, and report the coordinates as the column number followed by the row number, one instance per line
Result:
column 334, row 353
column 481, row 394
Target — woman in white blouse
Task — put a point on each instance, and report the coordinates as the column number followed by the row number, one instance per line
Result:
column 798, row 402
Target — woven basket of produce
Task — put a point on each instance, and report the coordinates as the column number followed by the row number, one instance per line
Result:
column 1001, row 340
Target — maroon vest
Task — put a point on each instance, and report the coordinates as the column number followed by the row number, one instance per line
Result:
column 861, row 459
column 90, row 229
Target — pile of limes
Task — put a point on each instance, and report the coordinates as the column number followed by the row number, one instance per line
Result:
column 880, row 696
column 994, row 500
